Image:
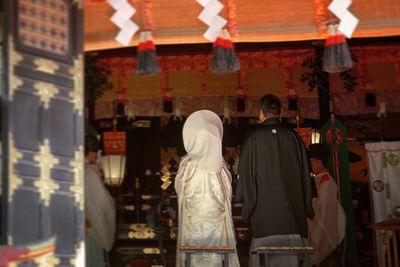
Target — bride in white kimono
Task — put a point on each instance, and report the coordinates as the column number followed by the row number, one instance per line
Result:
column 203, row 186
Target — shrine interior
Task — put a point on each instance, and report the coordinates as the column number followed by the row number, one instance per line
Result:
column 126, row 75
column 154, row 144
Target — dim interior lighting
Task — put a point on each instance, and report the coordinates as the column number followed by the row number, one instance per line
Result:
column 114, row 169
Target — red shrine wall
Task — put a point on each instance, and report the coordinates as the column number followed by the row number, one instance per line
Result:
column 194, row 87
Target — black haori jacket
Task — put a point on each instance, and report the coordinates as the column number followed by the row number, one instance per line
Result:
column 274, row 181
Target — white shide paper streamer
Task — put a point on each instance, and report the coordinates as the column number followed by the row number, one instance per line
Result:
column 348, row 22
column 210, row 16
column 122, row 18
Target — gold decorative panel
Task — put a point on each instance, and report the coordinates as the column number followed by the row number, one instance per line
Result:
column 266, row 81
column 46, row 91
column 77, row 187
column 14, row 59
column 218, row 85
column 185, row 83
column 141, row 231
column 77, row 93
column 45, row 65
column 45, row 185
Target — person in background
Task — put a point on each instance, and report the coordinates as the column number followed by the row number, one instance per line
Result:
column 99, row 209
column 274, row 186
column 327, row 229
column 203, row 187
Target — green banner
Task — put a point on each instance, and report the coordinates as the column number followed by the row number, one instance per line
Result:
column 329, row 135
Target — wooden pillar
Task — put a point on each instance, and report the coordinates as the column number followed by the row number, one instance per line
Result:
column 322, row 86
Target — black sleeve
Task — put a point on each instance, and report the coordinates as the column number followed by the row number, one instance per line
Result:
column 246, row 190
column 307, row 182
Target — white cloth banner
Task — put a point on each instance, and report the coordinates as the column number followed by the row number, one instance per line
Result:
column 384, row 172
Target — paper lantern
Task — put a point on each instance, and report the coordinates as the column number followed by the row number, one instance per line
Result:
column 114, row 169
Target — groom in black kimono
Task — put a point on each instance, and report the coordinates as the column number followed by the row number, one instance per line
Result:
column 274, row 185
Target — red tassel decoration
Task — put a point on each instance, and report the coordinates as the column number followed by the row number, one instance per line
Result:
column 147, row 63
column 337, row 56
column 224, row 56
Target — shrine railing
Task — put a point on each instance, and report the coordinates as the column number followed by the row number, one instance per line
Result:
column 387, row 242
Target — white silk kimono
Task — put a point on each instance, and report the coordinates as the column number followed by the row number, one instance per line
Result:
column 327, row 229
column 100, row 212
column 203, row 186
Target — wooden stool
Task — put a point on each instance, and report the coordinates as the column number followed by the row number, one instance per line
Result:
column 189, row 250
column 266, row 251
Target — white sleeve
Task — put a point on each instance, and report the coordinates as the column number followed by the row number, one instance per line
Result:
column 99, row 210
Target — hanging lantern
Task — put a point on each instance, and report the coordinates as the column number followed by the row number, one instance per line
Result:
column 114, row 169
column 224, row 57
column 114, row 160
column 315, row 136
column 147, row 63
column 337, row 56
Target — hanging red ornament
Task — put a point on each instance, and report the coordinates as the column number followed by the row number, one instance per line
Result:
column 337, row 56
column 224, row 57
column 147, row 63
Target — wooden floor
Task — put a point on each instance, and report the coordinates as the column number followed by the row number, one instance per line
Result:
column 365, row 261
